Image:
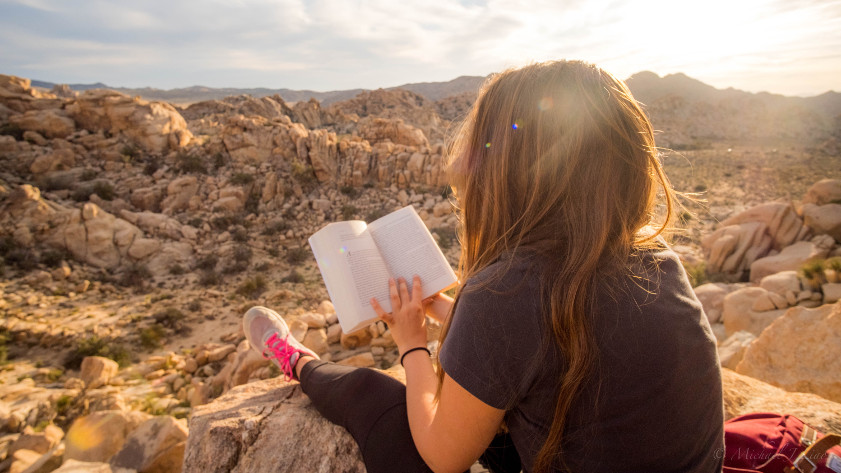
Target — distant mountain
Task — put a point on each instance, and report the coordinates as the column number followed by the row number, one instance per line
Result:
column 187, row 95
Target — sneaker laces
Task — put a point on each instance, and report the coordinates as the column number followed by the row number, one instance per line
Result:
column 280, row 349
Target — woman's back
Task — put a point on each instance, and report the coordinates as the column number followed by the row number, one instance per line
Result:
column 653, row 401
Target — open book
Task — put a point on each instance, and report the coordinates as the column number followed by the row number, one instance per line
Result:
column 356, row 260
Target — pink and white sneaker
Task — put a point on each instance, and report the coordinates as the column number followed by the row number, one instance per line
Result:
column 268, row 333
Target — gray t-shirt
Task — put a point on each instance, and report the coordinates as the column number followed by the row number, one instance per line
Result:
column 655, row 401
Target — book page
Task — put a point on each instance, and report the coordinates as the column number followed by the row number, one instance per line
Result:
column 409, row 249
column 353, row 272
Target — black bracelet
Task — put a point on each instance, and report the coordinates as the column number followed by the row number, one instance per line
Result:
column 414, row 349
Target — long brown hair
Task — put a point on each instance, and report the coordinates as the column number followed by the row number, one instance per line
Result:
column 558, row 157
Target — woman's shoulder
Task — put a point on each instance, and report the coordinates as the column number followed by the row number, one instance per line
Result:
column 511, row 272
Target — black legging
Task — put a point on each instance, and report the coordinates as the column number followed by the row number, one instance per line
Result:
column 378, row 420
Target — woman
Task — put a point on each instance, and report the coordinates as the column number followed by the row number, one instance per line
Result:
column 575, row 327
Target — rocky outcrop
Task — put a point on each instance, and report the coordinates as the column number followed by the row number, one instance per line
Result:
column 792, row 257
column 258, row 427
column 800, row 351
column 154, row 126
column 825, row 191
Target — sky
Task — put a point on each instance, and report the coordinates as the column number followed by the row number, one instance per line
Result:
column 790, row 47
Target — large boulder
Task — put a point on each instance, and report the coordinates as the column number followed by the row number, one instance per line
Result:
column 800, row 351
column 97, row 371
column 393, row 130
column 98, row 436
column 712, row 296
column 50, row 123
column 825, row 191
column 258, row 427
column 743, row 395
column 792, row 257
column 824, row 219
column 741, row 311
column 156, row 127
column 157, row 445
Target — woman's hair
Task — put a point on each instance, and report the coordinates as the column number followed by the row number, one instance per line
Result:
column 559, row 158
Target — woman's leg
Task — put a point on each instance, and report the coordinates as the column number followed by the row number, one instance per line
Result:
column 371, row 406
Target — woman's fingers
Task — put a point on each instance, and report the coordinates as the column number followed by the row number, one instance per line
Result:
column 417, row 292
column 394, row 295
column 379, row 310
column 404, row 291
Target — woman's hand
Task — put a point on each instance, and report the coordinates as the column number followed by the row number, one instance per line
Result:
column 407, row 320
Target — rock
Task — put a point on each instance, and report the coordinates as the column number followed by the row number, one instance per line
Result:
column 824, row 192
column 781, row 283
column 393, row 130
column 824, row 219
column 738, row 313
column 800, row 351
column 325, row 308
column 38, row 442
column 75, row 466
column 154, row 126
column 157, row 445
column 831, row 292
column 362, row 360
column 743, row 395
column 98, row 436
column 334, row 333
column 258, row 427
column 22, row 459
column 220, row 353
column 49, row 123
column 357, row 339
column 731, row 351
column 179, row 192
column 298, row 329
column 791, row 258
column 711, row 296
column 313, row 320
column 97, row 371
column 316, row 340
column 322, row 153
column 59, row 159
column 731, row 249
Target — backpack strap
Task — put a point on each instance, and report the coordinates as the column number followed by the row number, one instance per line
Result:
column 807, row 461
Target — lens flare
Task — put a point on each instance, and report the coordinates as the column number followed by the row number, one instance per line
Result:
column 545, row 104
column 517, row 124
column 487, row 145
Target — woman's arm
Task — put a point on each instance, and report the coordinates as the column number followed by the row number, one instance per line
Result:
column 438, row 306
column 449, row 434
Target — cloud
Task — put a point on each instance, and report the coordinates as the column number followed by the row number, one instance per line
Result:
column 333, row 44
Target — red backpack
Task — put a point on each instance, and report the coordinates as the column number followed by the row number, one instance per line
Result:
column 773, row 443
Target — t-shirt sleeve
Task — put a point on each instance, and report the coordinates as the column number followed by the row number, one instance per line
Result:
column 494, row 340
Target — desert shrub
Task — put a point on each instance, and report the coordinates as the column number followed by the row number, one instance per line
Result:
column 697, row 273
column 135, row 275
column 684, row 217
column 63, row 403
column 189, row 163
column 170, row 317
column 375, row 214
column 195, row 222
column 349, row 211
column 446, row 236
column 252, row 287
column 209, row 278
column 296, row 256
column 98, row 346
column 194, row 305
column 151, row 167
column 88, row 175
column 104, row 190
column 242, row 253
column 82, row 193
column 223, row 222
column 294, row 277
column 177, row 270
column 4, row 351
column 834, row 264
column 252, row 203
column 273, row 251
column 53, row 258
column 349, row 191
column 58, row 183
column 701, row 188
column 130, row 151
column 207, row 263
column 446, row 192
column 813, row 272
column 12, row 130
column 219, row 160
column 242, row 179
column 240, row 235
column 302, row 172
column 275, row 228
column 151, row 337
column 21, row 258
